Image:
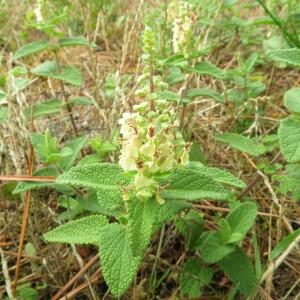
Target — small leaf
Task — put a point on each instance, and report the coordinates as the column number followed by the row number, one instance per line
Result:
column 204, row 92
column 84, row 101
column 48, row 107
column 3, row 114
column 190, row 184
column 292, row 100
column 73, row 41
column 86, row 230
column 75, row 145
column 284, row 244
column 213, row 248
column 242, row 218
column 70, row 75
column 118, row 264
column 47, row 69
column 289, row 139
column 206, row 68
column 289, row 56
column 31, row 49
column 241, row 143
column 25, row 186
column 58, row 156
column 193, row 277
column 240, row 270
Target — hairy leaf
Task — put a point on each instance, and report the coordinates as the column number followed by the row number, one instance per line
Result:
column 118, row 263
column 289, row 56
column 240, row 270
column 241, row 143
column 105, row 176
column 110, row 199
column 82, row 231
column 289, row 139
column 292, row 100
column 141, row 217
column 219, row 175
column 190, row 184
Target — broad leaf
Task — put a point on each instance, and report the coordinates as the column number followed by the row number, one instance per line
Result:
column 289, row 139
column 190, row 184
column 292, row 100
column 240, row 270
column 241, row 143
column 284, row 244
column 118, row 264
column 86, row 230
column 289, row 56
column 31, row 49
column 110, row 199
column 193, row 277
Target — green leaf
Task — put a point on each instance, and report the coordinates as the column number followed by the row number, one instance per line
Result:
column 86, row 230
column 204, row 92
column 50, row 69
column 47, row 69
column 141, row 217
column 193, row 277
column 289, row 139
column 84, row 101
column 289, row 56
column 49, row 107
column 44, row 145
column 26, row 186
column 241, row 219
column 213, row 248
column 241, row 143
column 190, row 184
column 3, row 114
column 58, row 156
column 75, row 145
column 110, row 199
column 73, row 41
column 31, row 49
column 240, row 271
column 284, row 244
column 206, row 68
column 70, row 75
column 220, row 176
column 103, row 177
column 292, row 100
column 168, row 210
column 118, row 264
column 249, row 63
column 289, row 181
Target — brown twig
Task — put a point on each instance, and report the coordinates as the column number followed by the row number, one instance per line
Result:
column 27, row 178
column 75, row 278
